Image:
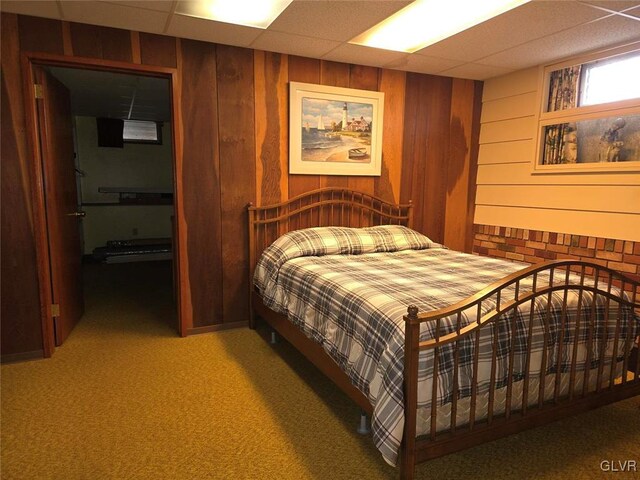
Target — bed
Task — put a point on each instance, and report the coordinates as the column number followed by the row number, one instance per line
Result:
column 444, row 350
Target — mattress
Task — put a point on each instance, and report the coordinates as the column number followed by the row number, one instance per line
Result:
column 348, row 290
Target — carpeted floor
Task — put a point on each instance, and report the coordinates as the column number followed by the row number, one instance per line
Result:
column 126, row 398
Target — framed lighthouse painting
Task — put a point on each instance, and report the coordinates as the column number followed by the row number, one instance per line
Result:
column 334, row 131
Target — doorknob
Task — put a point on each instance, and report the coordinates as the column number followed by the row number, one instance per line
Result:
column 77, row 214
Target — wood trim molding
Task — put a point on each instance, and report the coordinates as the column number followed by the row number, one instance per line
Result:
column 185, row 316
column 22, row 356
column 39, row 212
column 28, row 59
column 216, row 328
column 53, row 59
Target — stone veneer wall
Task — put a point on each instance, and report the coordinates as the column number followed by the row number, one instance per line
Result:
column 534, row 246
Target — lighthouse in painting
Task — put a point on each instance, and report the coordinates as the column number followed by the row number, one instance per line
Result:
column 344, row 116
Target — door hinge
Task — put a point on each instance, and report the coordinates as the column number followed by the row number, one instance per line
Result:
column 37, row 90
column 55, row 309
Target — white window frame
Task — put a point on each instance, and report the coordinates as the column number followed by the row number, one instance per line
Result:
column 545, row 118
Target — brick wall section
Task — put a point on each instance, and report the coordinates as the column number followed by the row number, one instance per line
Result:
column 534, row 246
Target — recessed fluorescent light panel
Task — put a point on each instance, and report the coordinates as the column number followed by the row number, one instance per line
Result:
column 250, row 13
column 425, row 22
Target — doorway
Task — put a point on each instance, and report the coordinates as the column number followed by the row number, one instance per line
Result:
column 104, row 144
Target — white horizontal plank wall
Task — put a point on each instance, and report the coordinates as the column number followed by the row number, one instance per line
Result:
column 508, row 194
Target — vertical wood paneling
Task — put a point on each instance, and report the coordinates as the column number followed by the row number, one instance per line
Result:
column 336, row 75
column 243, row 96
column 100, row 42
column 392, row 83
column 21, row 322
column 437, row 95
column 307, row 70
column 201, row 181
column 157, row 50
column 271, row 74
column 86, row 40
column 426, row 150
column 363, row 78
column 457, row 227
column 40, row 35
column 237, row 174
column 116, row 44
column 414, row 148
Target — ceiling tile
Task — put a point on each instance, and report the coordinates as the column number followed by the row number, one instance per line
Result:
column 422, row 64
column 212, row 31
column 159, row 5
column 112, row 15
column 475, row 71
column 607, row 32
column 611, row 4
column 293, row 44
column 357, row 54
column 334, row 20
column 520, row 25
column 37, row 9
column 634, row 12
column 539, row 32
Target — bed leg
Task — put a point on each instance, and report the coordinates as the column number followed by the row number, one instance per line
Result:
column 274, row 337
column 363, row 428
column 407, row 466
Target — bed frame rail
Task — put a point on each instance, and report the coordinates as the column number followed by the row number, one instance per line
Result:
column 494, row 308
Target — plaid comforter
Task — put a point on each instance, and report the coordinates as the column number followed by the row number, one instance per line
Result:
column 348, row 290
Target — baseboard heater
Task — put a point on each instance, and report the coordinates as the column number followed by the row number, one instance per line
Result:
column 139, row 250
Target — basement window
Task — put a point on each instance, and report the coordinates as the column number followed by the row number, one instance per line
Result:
column 610, row 80
column 590, row 114
column 139, row 131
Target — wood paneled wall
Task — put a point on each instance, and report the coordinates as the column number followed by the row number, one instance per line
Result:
column 21, row 324
column 234, row 126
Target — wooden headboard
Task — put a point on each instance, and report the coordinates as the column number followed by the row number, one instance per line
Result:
column 325, row 207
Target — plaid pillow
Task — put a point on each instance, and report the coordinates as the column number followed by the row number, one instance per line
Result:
column 319, row 241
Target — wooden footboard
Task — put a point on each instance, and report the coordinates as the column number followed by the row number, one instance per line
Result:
column 596, row 305
column 597, row 376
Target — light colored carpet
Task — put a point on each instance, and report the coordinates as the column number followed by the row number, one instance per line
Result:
column 126, row 398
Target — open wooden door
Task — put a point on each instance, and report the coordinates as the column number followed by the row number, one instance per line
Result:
column 61, row 202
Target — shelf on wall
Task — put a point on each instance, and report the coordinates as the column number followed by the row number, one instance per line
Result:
column 136, row 196
column 139, row 203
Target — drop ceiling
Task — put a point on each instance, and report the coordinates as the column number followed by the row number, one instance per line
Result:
column 538, row 32
column 116, row 95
